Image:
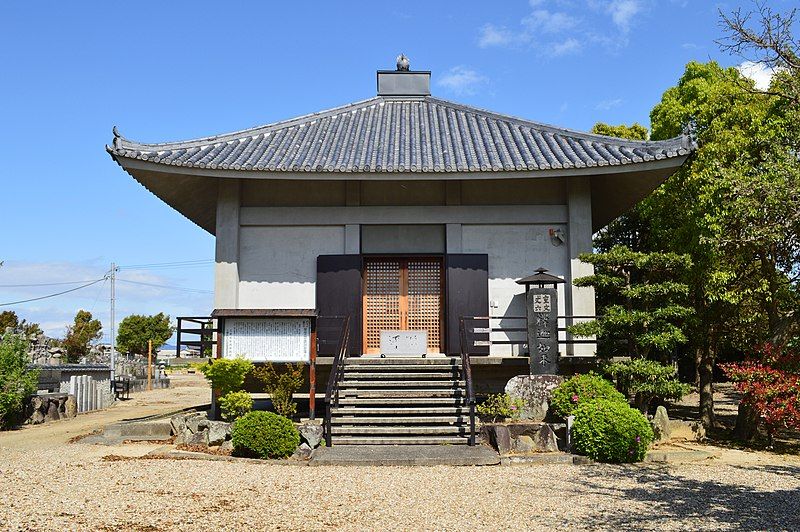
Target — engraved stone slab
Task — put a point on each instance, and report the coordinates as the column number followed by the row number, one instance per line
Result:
column 404, row 343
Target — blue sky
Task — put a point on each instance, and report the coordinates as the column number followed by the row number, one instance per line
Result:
column 176, row 70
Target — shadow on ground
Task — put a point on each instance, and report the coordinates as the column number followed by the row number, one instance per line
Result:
column 714, row 504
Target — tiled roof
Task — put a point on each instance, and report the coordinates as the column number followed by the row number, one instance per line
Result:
column 403, row 135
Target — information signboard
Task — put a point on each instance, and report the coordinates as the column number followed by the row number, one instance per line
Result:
column 267, row 339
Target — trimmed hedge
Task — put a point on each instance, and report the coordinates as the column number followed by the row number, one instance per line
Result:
column 582, row 388
column 263, row 434
column 610, row 431
column 235, row 405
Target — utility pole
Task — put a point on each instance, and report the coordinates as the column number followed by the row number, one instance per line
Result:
column 113, row 321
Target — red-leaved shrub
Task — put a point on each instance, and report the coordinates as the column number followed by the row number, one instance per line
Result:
column 771, row 386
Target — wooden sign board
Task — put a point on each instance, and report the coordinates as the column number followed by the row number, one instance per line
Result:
column 267, row 339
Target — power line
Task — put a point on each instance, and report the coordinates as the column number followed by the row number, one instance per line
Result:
column 197, row 290
column 167, row 265
column 43, row 284
column 52, row 295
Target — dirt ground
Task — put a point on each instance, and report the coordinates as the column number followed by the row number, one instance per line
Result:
column 47, row 483
column 186, row 391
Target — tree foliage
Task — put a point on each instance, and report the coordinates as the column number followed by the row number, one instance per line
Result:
column 83, row 331
column 9, row 318
column 226, row 375
column 281, row 384
column 642, row 301
column 135, row 331
column 17, row 382
column 645, row 381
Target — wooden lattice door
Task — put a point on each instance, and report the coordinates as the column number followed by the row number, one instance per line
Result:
column 403, row 294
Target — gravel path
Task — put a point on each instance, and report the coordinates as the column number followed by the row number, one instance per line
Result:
column 73, row 489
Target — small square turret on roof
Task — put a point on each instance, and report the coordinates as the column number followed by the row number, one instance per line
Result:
column 403, row 81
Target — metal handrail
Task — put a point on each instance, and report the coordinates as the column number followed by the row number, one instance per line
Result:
column 466, row 368
column 337, row 370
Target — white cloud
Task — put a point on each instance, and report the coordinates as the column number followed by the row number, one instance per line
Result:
column 549, row 22
column 605, row 105
column 622, row 11
column 491, row 35
column 461, row 80
column 569, row 46
column 760, row 73
column 54, row 314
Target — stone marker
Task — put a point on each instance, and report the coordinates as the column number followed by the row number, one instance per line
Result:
column 534, row 390
column 661, row 425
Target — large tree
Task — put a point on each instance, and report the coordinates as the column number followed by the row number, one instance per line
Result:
column 80, row 335
column 136, row 330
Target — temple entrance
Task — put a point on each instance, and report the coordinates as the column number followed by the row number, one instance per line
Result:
column 403, row 294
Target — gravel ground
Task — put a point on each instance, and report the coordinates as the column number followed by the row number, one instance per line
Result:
column 73, row 489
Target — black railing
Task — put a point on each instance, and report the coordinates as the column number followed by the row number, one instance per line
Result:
column 518, row 327
column 202, row 327
column 466, row 369
column 337, row 371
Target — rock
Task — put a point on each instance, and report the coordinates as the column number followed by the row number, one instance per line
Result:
column 226, row 447
column 500, row 438
column 686, row 431
column 198, row 438
column 312, row 433
column 303, row 452
column 534, row 390
column 36, row 402
column 36, row 418
column 524, row 444
column 218, row 432
column 178, row 423
column 52, row 412
column 70, row 407
column 661, row 425
column 197, row 422
column 545, row 440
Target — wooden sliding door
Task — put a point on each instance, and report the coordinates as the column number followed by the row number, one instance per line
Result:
column 403, row 294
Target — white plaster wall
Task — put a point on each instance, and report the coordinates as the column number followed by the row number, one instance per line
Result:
column 515, row 251
column 278, row 265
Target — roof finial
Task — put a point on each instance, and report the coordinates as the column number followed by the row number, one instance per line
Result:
column 402, row 63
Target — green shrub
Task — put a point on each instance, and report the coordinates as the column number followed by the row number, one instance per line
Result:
column 281, row 385
column 226, row 374
column 17, row 382
column 579, row 389
column 501, row 405
column 235, row 405
column 646, row 380
column 263, row 434
column 610, row 431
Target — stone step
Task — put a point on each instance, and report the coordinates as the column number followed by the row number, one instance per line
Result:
column 399, row 420
column 400, row 431
column 400, row 375
column 355, row 393
column 410, row 440
column 354, row 361
column 402, row 400
column 369, row 368
column 349, row 384
column 401, row 411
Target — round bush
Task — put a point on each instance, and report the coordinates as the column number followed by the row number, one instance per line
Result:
column 264, row 435
column 610, row 431
column 579, row 389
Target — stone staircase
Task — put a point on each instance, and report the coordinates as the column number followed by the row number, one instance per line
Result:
column 395, row 401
